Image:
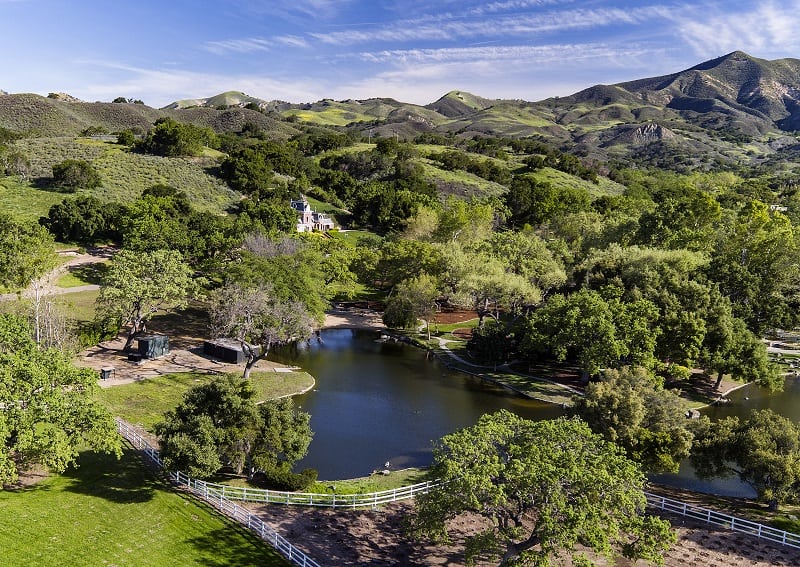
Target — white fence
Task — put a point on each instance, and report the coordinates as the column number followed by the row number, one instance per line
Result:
column 219, row 493
column 732, row 523
column 223, row 504
column 370, row 500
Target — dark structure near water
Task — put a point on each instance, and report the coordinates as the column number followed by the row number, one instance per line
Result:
column 226, row 350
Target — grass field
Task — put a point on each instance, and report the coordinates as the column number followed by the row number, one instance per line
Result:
column 109, row 512
column 145, row 402
column 24, row 202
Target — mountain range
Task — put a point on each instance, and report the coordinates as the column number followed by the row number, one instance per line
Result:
column 735, row 109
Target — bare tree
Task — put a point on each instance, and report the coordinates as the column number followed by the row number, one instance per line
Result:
column 258, row 320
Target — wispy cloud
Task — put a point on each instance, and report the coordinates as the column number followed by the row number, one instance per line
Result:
column 247, row 45
column 445, row 27
column 292, row 41
column 295, row 10
column 520, row 54
column 766, row 28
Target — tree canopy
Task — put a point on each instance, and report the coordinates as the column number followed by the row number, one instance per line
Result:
column 49, row 413
column 542, row 487
column 762, row 451
column 138, row 285
column 221, row 424
column 630, row 408
column 26, row 252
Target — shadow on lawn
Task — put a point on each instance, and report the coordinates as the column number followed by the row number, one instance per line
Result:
column 234, row 546
column 123, row 481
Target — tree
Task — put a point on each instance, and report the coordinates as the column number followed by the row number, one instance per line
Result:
column 49, row 412
column 80, row 219
column 543, row 487
column 221, row 424
column 171, row 138
column 413, row 299
column 284, row 436
column 581, row 325
column 72, row 174
column 126, row 138
column 756, row 264
column 18, row 163
column 140, row 284
column 762, row 451
column 26, row 252
column 533, row 202
column 258, row 320
column 630, row 408
column 464, row 221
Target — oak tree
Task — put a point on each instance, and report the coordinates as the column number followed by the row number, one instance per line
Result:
column 543, row 488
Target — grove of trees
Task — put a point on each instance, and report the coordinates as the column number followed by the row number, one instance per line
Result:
column 643, row 281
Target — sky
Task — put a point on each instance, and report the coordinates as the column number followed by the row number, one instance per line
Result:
column 410, row 50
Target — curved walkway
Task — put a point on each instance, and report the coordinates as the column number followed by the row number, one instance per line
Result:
column 501, row 374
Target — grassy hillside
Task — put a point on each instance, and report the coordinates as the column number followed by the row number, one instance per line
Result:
column 38, row 116
column 110, row 512
column 124, row 174
column 25, row 202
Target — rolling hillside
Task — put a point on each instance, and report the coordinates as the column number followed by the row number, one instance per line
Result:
column 731, row 110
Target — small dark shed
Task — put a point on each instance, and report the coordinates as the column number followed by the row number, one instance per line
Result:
column 153, row 346
column 226, row 350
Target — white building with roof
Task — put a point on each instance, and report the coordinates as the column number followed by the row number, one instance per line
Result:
column 309, row 220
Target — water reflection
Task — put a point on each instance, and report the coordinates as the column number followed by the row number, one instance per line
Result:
column 741, row 403
column 380, row 401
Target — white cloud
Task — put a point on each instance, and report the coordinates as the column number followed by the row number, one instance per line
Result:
column 292, row 41
column 160, row 87
column 447, row 27
column 767, row 29
column 247, row 45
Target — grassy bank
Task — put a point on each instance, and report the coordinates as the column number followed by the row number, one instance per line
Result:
column 144, row 402
column 109, row 512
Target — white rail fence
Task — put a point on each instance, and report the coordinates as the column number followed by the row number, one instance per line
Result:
column 215, row 493
column 223, row 504
column 732, row 523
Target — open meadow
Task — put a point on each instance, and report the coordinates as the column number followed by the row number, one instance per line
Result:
column 109, row 512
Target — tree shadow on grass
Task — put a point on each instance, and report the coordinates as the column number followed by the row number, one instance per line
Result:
column 234, row 545
column 123, row 481
column 90, row 273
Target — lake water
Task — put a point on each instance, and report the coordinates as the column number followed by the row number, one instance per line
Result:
column 742, row 402
column 382, row 401
column 377, row 401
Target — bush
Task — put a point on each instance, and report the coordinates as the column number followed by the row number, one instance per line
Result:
column 74, row 173
column 283, row 479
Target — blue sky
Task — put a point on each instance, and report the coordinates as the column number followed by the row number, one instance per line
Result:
column 411, row 50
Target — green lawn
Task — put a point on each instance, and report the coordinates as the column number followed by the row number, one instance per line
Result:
column 110, row 512
column 84, row 275
column 145, row 402
column 80, row 304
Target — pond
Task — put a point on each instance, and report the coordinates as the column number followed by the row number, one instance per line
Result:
column 377, row 401
column 741, row 403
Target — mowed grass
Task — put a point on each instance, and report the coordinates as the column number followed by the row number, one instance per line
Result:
column 145, row 402
column 109, row 512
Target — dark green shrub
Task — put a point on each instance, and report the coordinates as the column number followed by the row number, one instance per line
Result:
column 282, row 479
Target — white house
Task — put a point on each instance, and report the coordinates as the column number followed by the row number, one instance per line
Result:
column 309, row 220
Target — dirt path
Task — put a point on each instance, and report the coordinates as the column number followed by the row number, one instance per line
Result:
column 375, row 537
column 47, row 284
